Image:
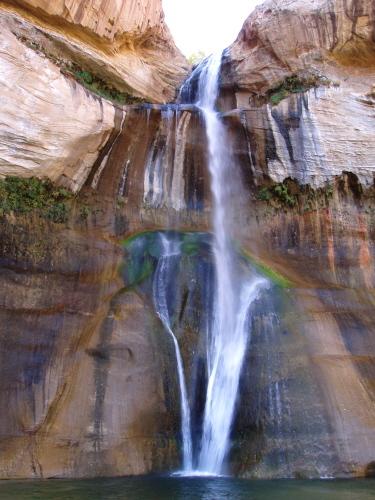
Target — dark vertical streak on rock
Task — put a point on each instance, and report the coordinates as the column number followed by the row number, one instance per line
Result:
column 335, row 40
column 240, row 137
column 101, row 356
column 194, row 164
column 356, row 334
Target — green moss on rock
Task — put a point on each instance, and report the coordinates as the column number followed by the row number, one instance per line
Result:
column 267, row 271
column 98, row 86
column 291, row 195
column 295, row 84
column 22, row 196
column 279, row 192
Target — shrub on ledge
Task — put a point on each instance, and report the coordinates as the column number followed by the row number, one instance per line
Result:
column 22, row 196
column 294, row 85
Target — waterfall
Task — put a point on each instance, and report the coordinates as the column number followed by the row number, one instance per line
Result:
column 235, row 289
column 234, row 292
column 170, row 250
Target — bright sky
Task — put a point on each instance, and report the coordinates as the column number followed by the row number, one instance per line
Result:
column 206, row 25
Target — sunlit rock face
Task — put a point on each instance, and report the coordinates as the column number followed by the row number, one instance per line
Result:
column 305, row 137
column 50, row 125
column 283, row 37
column 106, row 19
column 88, row 381
column 126, row 43
column 328, row 46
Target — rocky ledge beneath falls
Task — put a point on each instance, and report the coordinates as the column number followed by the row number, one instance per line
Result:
column 88, row 382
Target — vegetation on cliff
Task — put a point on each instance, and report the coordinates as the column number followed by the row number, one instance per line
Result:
column 196, row 57
column 289, row 195
column 98, row 86
column 21, row 196
column 88, row 79
column 295, row 84
column 279, row 192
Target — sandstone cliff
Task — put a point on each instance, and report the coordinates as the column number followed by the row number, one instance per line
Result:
column 62, row 65
column 301, row 76
column 327, row 50
column 284, row 37
column 88, row 375
column 125, row 43
column 50, row 125
column 108, row 20
column 95, row 391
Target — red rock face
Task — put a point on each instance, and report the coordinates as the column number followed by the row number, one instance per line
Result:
column 87, row 373
column 105, row 19
column 127, row 44
column 285, row 37
column 95, row 387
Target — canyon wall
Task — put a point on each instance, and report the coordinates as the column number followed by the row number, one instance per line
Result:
column 292, row 142
column 125, row 43
column 67, row 70
column 88, row 376
column 284, row 37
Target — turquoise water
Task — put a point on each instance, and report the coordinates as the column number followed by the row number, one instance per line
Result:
column 174, row 488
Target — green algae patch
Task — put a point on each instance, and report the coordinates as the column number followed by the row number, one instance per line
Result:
column 143, row 251
column 142, row 254
column 192, row 243
column 267, row 271
column 138, row 270
column 296, row 84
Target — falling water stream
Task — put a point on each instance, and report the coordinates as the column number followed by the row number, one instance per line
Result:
column 170, row 250
column 234, row 292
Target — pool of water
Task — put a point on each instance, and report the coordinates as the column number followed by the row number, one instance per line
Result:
column 176, row 488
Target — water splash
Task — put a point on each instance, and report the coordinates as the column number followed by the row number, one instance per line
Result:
column 170, row 251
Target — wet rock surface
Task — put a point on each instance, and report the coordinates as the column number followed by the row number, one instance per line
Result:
column 96, row 393
column 88, row 380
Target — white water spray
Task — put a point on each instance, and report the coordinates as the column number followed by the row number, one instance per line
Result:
column 171, row 250
column 234, row 293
